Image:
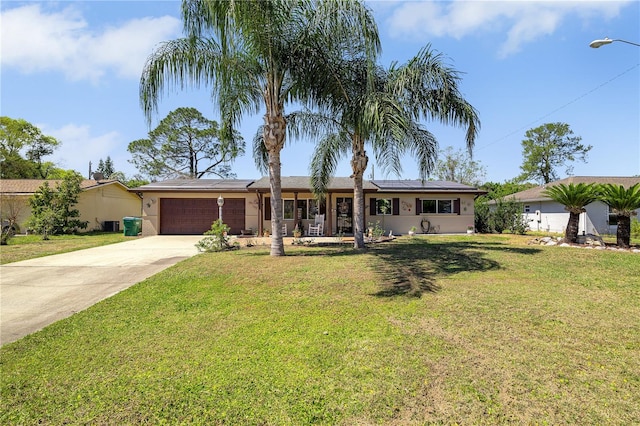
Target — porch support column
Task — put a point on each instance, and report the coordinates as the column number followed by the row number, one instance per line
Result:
column 329, row 213
column 260, row 213
column 295, row 210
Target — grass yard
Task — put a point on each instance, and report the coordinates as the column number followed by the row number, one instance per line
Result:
column 464, row 329
column 22, row 247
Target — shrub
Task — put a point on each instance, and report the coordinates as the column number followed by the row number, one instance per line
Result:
column 216, row 238
column 635, row 228
column 507, row 216
column 482, row 216
column 376, row 230
column 52, row 210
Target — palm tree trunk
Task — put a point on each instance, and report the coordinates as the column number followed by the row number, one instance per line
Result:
column 571, row 233
column 273, row 134
column 358, row 212
column 358, row 166
column 623, row 234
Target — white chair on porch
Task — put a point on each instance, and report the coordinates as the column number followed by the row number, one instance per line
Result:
column 317, row 228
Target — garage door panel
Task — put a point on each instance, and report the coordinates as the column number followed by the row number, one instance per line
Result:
column 194, row 216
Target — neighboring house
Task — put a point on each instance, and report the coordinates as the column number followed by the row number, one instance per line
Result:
column 190, row 206
column 103, row 204
column 546, row 215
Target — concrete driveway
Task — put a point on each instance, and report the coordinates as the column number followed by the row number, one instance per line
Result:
column 37, row 292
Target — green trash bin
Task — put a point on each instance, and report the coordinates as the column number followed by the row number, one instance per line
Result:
column 132, row 226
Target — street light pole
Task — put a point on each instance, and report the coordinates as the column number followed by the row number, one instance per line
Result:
column 597, row 43
column 220, row 204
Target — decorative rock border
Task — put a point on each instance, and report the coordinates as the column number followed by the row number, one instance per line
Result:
column 588, row 241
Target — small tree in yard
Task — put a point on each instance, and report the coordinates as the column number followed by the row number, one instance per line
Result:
column 574, row 198
column 42, row 210
column 216, row 238
column 507, row 217
column 52, row 210
column 635, row 228
column 623, row 202
column 10, row 209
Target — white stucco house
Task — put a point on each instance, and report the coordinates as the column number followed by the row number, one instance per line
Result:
column 544, row 214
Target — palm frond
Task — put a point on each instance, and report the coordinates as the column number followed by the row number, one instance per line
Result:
column 325, row 160
column 260, row 153
column 574, row 197
column 624, row 201
column 310, row 125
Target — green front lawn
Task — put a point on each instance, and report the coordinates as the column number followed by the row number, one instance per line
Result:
column 22, row 247
column 466, row 329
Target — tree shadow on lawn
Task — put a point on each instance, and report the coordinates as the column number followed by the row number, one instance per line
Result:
column 411, row 268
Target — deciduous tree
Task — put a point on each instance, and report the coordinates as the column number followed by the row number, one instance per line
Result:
column 22, row 150
column 458, row 166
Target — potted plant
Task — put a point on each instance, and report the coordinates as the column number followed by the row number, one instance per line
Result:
column 470, row 229
column 297, row 233
column 412, row 231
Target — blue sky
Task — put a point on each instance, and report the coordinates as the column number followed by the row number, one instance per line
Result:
column 72, row 68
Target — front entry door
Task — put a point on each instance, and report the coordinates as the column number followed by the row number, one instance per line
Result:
column 344, row 212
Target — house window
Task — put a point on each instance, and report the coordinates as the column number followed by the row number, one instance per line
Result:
column 613, row 217
column 307, row 209
column 527, row 208
column 287, row 208
column 429, row 206
column 437, row 206
column 445, row 206
column 314, row 208
column 383, row 206
column 302, row 209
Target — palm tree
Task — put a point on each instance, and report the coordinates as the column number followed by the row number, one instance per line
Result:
column 624, row 202
column 381, row 107
column 574, row 197
column 255, row 55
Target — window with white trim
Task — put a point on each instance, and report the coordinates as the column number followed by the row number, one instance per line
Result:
column 307, row 208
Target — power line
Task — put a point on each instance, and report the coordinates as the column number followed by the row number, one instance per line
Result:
column 526, row 126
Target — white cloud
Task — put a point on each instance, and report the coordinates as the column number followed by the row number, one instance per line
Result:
column 522, row 21
column 78, row 146
column 34, row 40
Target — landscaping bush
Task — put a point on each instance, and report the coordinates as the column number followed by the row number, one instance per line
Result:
column 216, row 238
column 635, row 228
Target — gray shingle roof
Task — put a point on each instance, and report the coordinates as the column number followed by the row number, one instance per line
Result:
column 535, row 194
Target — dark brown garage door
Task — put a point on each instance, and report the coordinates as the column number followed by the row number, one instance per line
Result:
column 194, row 216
